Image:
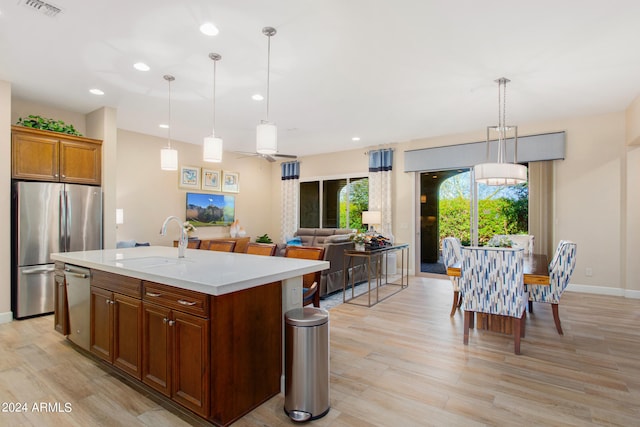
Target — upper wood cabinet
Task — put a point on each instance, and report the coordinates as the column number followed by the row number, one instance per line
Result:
column 51, row 156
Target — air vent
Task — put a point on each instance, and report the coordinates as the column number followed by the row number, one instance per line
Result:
column 42, row 7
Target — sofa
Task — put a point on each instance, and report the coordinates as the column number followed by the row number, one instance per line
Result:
column 334, row 241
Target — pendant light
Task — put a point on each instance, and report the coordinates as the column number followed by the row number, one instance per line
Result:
column 212, row 147
column 267, row 132
column 168, row 155
column 501, row 172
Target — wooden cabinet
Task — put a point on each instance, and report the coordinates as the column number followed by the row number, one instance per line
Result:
column 218, row 356
column 175, row 346
column 61, row 310
column 51, row 156
column 116, row 321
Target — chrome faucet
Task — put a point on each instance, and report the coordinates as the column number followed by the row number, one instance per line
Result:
column 182, row 243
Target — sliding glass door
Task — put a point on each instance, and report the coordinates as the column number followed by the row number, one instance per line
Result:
column 452, row 204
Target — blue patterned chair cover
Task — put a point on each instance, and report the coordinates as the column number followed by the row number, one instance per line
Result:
column 451, row 254
column 560, row 270
column 492, row 281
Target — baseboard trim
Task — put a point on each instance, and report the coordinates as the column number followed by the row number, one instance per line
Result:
column 6, row 317
column 603, row 290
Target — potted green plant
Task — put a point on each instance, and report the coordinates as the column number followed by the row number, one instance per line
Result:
column 264, row 239
column 39, row 122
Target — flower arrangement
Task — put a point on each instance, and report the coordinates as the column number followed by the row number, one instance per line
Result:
column 500, row 242
column 358, row 238
column 188, row 227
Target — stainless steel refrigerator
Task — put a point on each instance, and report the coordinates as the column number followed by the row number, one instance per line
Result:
column 49, row 217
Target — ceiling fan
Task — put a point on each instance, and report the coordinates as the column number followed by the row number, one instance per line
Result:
column 267, row 157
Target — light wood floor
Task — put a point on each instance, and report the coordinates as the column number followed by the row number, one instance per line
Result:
column 399, row 363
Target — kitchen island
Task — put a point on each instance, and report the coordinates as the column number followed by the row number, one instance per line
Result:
column 204, row 331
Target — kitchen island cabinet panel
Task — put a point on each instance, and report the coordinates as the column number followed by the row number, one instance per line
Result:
column 191, row 362
column 156, row 348
column 127, row 332
column 116, row 323
column 61, row 311
column 246, row 347
column 101, row 324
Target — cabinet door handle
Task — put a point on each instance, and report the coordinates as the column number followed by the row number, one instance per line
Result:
column 64, row 176
column 152, row 294
column 107, row 301
column 189, row 303
column 172, row 322
column 164, row 320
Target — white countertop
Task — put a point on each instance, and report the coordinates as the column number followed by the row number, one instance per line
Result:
column 211, row 272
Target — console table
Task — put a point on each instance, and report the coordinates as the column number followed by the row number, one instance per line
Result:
column 373, row 261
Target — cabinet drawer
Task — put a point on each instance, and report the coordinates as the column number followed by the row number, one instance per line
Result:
column 117, row 283
column 178, row 299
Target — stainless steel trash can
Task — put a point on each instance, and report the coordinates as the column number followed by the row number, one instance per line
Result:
column 306, row 358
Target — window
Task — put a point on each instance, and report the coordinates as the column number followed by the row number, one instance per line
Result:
column 334, row 203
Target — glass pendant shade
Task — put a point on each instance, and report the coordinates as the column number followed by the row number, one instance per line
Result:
column 212, row 149
column 168, row 155
column 267, row 138
column 212, row 146
column 266, row 131
column 169, row 159
column 500, row 173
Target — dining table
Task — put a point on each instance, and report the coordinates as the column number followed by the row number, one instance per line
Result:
column 536, row 273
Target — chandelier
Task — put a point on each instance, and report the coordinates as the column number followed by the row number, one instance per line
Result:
column 501, row 172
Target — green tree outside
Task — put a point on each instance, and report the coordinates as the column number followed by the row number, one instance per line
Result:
column 501, row 210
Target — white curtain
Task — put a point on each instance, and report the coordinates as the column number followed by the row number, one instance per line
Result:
column 290, row 196
column 380, row 170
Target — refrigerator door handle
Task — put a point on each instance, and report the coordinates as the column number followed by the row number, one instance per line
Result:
column 63, row 221
column 38, row 270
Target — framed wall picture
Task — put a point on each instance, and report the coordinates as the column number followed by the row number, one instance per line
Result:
column 189, row 177
column 230, row 182
column 211, row 180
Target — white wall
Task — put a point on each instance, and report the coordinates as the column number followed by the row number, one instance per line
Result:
column 148, row 194
column 5, row 202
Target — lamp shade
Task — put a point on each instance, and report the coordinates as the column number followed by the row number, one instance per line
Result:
column 212, row 149
column 371, row 217
column 500, row 173
column 267, row 138
column 169, row 159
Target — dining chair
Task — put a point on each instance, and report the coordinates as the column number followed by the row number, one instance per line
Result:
column 191, row 244
column 221, row 245
column 560, row 270
column 451, row 254
column 268, row 249
column 310, row 281
column 492, row 282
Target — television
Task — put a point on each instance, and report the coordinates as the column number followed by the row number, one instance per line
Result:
column 204, row 210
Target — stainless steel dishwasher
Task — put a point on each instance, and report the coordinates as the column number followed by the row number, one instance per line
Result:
column 78, row 281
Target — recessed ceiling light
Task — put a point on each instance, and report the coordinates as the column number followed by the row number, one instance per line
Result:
column 209, row 29
column 96, row 91
column 163, row 126
column 141, row 66
column 257, row 97
column 355, row 138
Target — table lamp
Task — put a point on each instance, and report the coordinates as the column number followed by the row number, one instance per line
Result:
column 372, row 218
